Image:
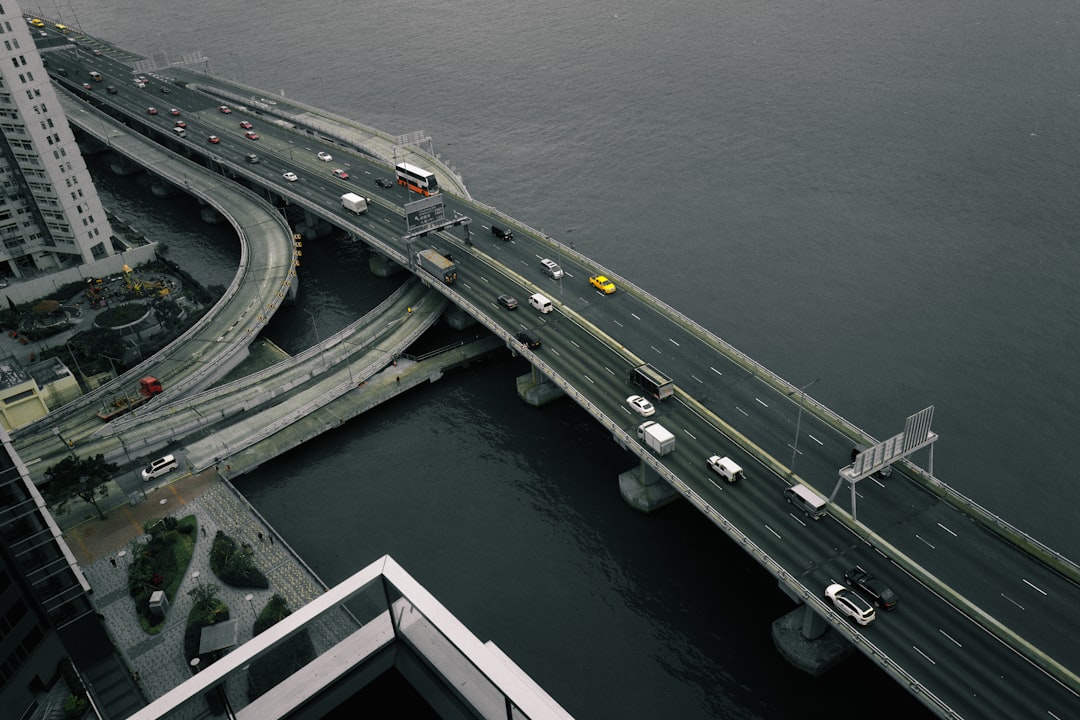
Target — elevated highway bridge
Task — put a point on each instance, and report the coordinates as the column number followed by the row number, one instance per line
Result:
column 985, row 626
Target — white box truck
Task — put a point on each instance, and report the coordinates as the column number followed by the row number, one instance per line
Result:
column 656, row 437
column 353, row 202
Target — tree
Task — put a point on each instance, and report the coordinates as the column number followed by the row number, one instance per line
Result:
column 75, row 477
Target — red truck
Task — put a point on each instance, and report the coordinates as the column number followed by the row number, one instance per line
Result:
column 148, row 388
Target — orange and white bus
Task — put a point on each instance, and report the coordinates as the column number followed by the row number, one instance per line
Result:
column 417, row 179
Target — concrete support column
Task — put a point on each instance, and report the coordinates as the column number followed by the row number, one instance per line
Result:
column 803, row 639
column 537, row 390
column 643, row 489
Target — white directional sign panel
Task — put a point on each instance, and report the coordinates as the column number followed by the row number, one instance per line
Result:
column 424, row 213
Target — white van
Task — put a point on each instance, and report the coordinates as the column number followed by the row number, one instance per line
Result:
column 541, row 303
column 551, row 268
column 180, row 132
column 809, row 501
column 159, row 467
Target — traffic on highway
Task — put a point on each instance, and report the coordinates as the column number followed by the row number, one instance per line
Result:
column 946, row 647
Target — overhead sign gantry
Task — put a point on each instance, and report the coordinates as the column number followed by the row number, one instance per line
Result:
column 916, row 436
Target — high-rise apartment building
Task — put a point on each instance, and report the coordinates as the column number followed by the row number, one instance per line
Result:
column 50, row 215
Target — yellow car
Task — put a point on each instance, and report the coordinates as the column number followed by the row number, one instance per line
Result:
column 37, row 22
column 602, row 284
column 61, row 28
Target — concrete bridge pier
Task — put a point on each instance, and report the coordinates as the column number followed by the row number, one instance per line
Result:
column 382, row 266
column 643, row 489
column 804, row 639
column 537, row 390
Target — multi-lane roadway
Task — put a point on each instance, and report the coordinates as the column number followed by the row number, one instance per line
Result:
column 588, row 345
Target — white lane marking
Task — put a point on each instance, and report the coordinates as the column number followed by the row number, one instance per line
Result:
column 555, row 351
column 742, row 411
column 483, row 278
column 467, row 285
column 947, row 530
column 774, row 532
column 574, row 343
column 700, row 381
column 610, row 371
column 797, row 519
column 715, row 370
column 618, row 323
column 658, row 352
column 920, row 537
column 761, row 402
column 689, row 433
column 957, row 642
column 1013, row 601
column 1032, row 585
column 815, row 440
column 673, row 342
column 633, row 315
column 928, row 659
column 588, row 378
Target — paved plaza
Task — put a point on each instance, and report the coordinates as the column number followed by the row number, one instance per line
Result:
column 157, row 661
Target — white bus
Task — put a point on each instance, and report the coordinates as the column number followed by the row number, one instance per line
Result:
column 417, row 179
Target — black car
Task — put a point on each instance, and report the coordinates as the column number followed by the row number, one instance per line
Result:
column 164, row 90
column 383, row 183
column 871, row 586
column 529, row 339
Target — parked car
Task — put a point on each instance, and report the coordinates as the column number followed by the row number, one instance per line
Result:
column 290, row 176
column 640, row 405
column 602, row 284
column 850, row 604
column 507, row 301
column 325, row 156
column 870, row 585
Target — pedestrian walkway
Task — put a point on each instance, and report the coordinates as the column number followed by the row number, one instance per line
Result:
column 157, row 662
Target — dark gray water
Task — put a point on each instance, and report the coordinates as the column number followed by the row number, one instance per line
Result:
column 880, row 195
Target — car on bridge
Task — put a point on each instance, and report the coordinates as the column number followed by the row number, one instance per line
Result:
column 850, row 604
column 225, row 109
column 341, row 174
column 290, row 176
column 180, row 124
column 325, row 156
column 111, row 90
column 213, row 139
column 246, row 125
column 508, row 301
column 152, row 111
column 601, row 283
column 383, row 183
column 529, row 339
column 640, row 405
column 37, row 22
column 870, row 585
column 251, row 135
column 174, row 111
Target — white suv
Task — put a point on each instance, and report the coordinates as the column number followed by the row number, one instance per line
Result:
column 849, row 603
column 159, row 467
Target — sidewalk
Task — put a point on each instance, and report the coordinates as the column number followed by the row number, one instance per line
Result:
column 158, row 660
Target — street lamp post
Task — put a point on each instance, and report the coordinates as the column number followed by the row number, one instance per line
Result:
column 195, row 575
column 798, row 422
column 318, row 340
column 249, row 597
